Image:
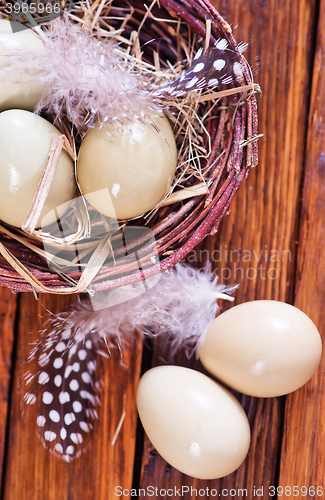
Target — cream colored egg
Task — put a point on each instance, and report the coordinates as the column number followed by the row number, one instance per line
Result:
column 16, row 93
column 25, row 140
column 262, row 348
column 125, row 173
column 194, row 423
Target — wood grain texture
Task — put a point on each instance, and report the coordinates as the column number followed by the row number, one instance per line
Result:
column 256, row 244
column 8, row 302
column 305, row 409
column 271, row 244
column 32, row 473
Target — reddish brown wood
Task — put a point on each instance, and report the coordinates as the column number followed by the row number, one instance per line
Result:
column 32, row 473
column 256, row 245
column 7, row 320
column 302, row 458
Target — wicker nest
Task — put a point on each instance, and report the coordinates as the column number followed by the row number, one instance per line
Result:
column 216, row 135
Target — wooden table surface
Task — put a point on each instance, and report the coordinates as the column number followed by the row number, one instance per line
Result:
column 277, row 223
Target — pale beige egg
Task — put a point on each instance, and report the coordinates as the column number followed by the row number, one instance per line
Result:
column 262, row 348
column 15, row 93
column 126, row 172
column 25, row 140
column 194, row 423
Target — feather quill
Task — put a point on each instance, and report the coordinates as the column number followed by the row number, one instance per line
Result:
column 179, row 307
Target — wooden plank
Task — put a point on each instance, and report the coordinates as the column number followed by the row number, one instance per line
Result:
column 34, row 474
column 256, row 245
column 257, row 223
column 303, row 456
column 8, row 302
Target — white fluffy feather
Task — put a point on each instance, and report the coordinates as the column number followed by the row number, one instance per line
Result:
column 81, row 74
column 179, row 307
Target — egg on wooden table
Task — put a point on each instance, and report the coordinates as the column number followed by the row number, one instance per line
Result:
column 125, row 172
column 194, row 423
column 25, row 140
column 13, row 93
column 262, row 348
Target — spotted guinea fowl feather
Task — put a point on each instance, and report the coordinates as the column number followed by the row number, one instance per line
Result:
column 215, row 66
column 60, row 378
column 85, row 78
column 61, row 375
